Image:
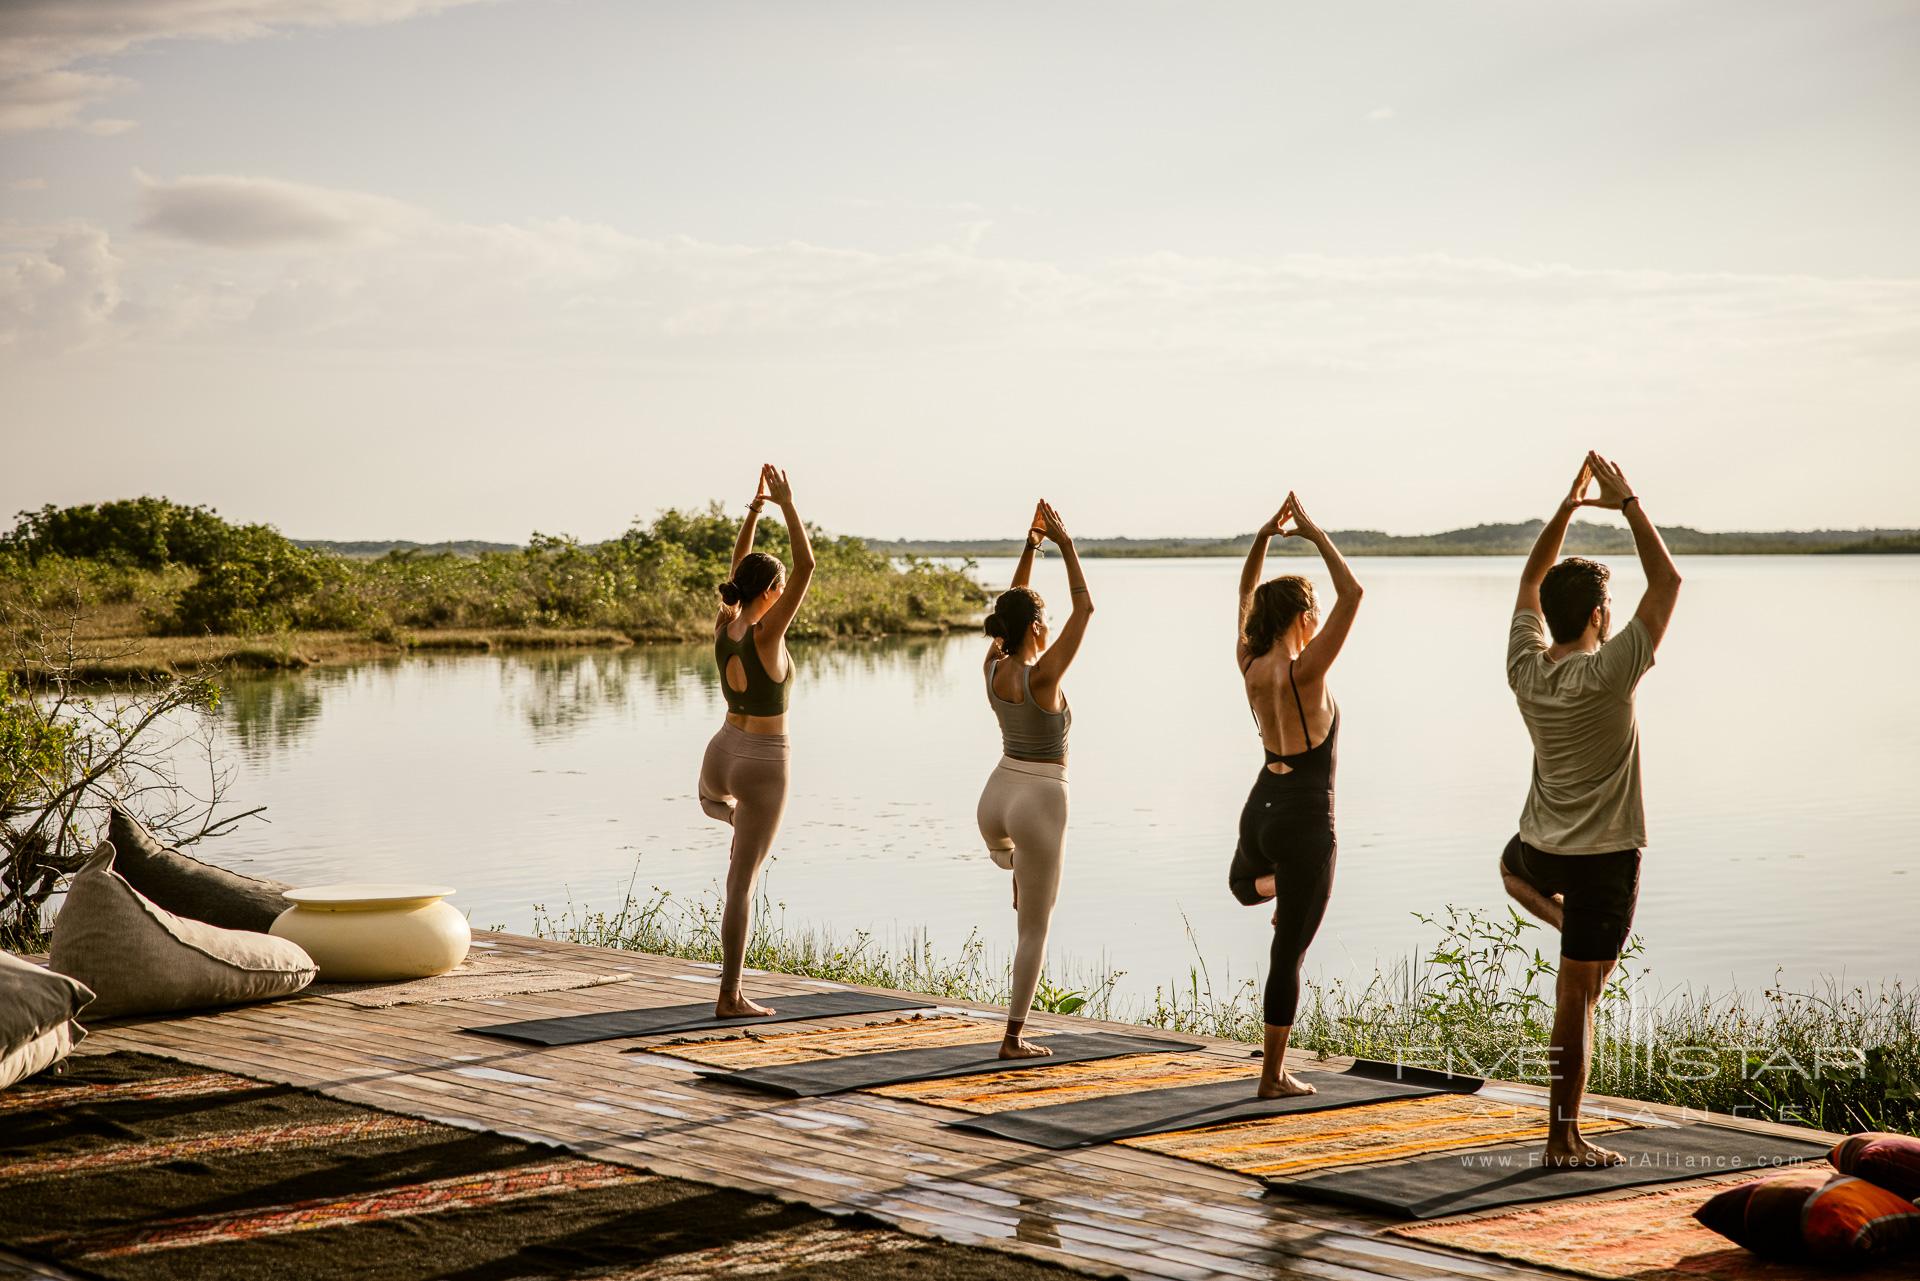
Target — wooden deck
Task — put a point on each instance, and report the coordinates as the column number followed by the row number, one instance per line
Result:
column 1107, row 1210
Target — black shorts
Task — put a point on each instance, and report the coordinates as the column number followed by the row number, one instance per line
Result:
column 1598, row 890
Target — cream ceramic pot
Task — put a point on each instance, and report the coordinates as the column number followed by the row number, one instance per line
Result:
column 366, row 933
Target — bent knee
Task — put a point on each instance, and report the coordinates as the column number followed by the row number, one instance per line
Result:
column 1246, row 889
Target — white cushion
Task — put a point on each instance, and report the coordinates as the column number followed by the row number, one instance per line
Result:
column 36, row 1018
column 39, row 1054
column 140, row 958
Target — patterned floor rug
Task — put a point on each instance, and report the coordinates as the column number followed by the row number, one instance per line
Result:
column 130, row 1166
column 1283, row 1145
column 1072, row 1082
column 1270, row 1147
column 756, row 1049
column 1647, row 1236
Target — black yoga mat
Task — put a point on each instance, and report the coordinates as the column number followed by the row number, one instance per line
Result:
column 608, row 1025
column 1511, row 1173
column 865, row 1071
column 1188, row 1107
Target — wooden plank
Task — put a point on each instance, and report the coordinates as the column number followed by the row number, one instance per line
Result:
column 952, row 1204
column 550, row 1066
column 434, row 1105
column 1112, row 1209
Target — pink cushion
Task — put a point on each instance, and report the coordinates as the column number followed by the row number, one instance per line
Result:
column 1891, row 1161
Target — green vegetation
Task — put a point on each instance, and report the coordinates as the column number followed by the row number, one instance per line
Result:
column 1584, row 538
column 152, row 568
column 1899, row 543
column 65, row 754
column 1478, row 1000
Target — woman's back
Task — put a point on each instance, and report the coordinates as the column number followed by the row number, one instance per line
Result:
column 1029, row 730
column 1292, row 718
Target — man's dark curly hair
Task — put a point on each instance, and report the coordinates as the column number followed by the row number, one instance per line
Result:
column 1569, row 594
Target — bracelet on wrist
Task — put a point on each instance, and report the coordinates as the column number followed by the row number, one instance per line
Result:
column 1630, row 498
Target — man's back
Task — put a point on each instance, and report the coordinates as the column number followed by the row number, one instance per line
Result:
column 1585, row 794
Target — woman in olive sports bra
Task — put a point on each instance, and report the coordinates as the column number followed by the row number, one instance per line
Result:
column 743, row 777
column 1287, row 845
column 1023, row 809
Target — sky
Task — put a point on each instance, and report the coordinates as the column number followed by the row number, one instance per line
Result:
column 474, row 268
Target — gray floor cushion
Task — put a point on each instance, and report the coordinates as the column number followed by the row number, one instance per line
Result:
column 140, row 958
column 37, row 1009
column 183, row 884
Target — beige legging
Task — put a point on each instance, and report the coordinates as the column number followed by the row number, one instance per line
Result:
column 743, row 781
column 1023, row 817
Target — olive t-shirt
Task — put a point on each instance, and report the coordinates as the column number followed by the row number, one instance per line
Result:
column 1585, row 796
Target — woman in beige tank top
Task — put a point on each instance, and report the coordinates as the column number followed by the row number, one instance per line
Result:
column 1023, row 811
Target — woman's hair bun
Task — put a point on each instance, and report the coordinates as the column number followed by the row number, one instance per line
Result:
column 730, row 593
column 1013, row 613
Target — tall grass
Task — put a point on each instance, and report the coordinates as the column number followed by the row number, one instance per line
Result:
column 1478, row 999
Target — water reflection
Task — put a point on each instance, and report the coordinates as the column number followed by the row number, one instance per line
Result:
column 265, row 714
column 557, row 776
column 558, row 692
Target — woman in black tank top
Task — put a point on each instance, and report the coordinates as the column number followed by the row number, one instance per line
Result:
column 743, row 776
column 1287, row 846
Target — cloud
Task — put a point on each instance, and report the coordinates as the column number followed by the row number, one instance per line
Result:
column 1380, row 113
column 229, row 261
column 62, row 295
column 53, row 99
column 27, row 184
column 254, row 213
column 43, row 43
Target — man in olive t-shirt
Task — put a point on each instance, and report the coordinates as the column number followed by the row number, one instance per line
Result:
column 1585, row 795
column 1575, row 862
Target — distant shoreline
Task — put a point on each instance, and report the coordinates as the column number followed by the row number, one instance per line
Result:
column 1584, row 538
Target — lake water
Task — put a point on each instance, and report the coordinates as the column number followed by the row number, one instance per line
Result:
column 1780, row 727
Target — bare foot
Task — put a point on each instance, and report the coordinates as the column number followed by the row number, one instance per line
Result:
column 1579, row 1155
column 739, row 1007
column 717, row 808
column 1558, row 916
column 1018, row 1048
column 1287, row 1087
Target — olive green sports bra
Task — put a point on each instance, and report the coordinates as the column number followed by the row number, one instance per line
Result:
column 763, row 696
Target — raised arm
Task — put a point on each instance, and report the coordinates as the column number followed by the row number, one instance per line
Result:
column 1663, row 576
column 744, row 543
column 1546, row 548
column 1250, row 577
column 1059, row 655
column 779, row 616
column 1022, row 572
column 1023, row 569
column 1318, row 656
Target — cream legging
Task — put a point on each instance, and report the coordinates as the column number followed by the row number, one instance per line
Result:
column 743, row 781
column 1023, row 817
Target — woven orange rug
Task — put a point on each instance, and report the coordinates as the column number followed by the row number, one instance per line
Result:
column 1069, row 1082
column 1649, row 1236
column 772, row 1049
column 1357, row 1135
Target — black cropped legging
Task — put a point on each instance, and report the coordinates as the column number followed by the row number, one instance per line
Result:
column 1286, row 831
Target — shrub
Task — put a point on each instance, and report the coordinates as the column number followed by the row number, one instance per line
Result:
column 139, row 533
column 259, row 584
column 191, row 572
